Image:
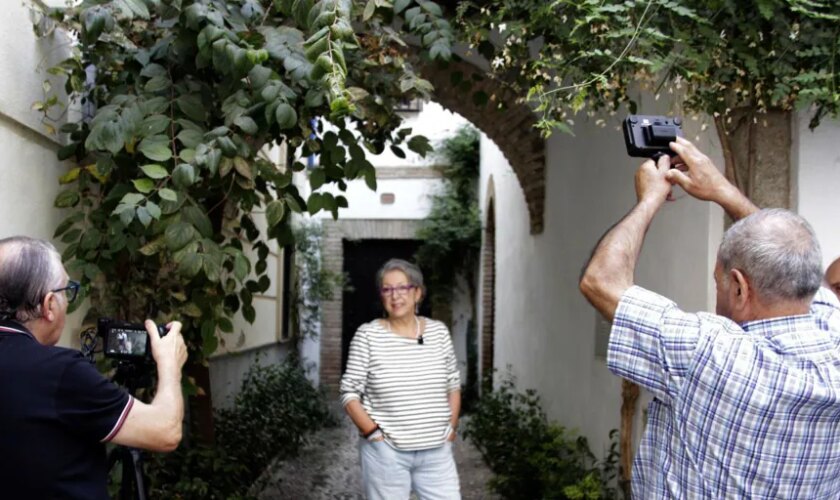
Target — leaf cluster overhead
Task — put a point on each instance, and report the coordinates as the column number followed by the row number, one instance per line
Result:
column 192, row 114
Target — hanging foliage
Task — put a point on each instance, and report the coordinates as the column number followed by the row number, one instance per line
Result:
column 181, row 104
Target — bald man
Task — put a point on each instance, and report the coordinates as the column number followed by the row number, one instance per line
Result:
column 832, row 277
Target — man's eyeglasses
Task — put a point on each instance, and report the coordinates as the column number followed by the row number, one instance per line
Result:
column 70, row 291
column 400, row 291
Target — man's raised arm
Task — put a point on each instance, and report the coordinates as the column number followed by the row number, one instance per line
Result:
column 610, row 269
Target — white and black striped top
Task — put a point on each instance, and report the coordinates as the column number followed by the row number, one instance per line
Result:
column 404, row 386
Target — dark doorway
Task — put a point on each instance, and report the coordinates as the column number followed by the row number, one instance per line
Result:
column 362, row 259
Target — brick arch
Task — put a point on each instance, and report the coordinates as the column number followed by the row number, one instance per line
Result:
column 461, row 86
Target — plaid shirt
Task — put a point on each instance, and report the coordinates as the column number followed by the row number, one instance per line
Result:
column 740, row 411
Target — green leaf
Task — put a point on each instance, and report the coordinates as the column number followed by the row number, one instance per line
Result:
column 153, row 209
column 143, row 185
column 420, row 145
column 137, row 7
column 192, row 310
column 190, row 264
column 156, row 148
column 243, row 167
column 286, row 116
column 178, row 235
column 292, row 203
column 317, row 178
column 131, row 199
column 241, row 267
column 370, row 8
column 154, row 124
column 400, row 5
column 184, row 175
column 66, row 199
column 398, row 152
column 247, row 124
column 370, row 178
column 168, row 194
column 157, row 84
column 143, row 216
column 274, row 212
column 199, row 219
column 225, row 325
column 191, row 106
column 190, row 138
column 153, row 247
column 154, row 171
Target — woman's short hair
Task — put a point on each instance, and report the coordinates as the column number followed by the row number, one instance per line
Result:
column 779, row 252
column 29, row 269
column 411, row 271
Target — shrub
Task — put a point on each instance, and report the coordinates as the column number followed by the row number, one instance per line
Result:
column 270, row 418
column 533, row 458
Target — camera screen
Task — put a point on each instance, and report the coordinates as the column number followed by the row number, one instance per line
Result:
column 127, row 342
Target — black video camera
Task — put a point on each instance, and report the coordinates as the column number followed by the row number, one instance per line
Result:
column 122, row 340
column 649, row 136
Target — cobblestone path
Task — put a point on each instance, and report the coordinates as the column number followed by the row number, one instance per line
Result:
column 328, row 469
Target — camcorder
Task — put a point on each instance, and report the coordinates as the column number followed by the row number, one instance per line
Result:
column 125, row 341
column 649, row 136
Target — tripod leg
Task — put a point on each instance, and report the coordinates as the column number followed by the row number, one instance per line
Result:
column 137, row 462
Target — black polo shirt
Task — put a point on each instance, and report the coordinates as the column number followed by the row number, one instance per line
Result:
column 56, row 412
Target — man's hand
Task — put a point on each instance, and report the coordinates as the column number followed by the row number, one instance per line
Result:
column 700, row 178
column 651, row 181
column 169, row 352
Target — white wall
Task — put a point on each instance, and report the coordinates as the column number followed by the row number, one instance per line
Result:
column 29, row 170
column 817, row 158
column 434, row 122
column 412, row 199
column 544, row 328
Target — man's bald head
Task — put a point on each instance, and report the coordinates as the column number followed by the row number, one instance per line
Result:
column 832, row 277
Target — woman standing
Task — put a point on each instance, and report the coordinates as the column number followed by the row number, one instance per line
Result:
column 403, row 391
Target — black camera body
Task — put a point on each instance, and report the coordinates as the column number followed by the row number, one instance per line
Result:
column 123, row 340
column 649, row 136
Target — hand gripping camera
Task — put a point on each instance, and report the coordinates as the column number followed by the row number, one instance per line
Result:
column 649, row 136
column 123, row 340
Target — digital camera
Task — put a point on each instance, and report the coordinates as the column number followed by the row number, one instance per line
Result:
column 123, row 340
column 649, row 136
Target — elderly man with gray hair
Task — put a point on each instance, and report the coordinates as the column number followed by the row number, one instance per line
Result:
column 56, row 410
column 746, row 401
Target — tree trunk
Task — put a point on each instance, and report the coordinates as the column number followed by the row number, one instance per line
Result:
column 757, row 154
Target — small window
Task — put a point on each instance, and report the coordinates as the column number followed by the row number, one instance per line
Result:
column 387, row 198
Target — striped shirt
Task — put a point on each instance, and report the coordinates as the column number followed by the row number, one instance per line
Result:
column 747, row 410
column 404, row 386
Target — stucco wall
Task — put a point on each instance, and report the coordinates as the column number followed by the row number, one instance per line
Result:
column 544, row 328
column 817, row 160
column 29, row 171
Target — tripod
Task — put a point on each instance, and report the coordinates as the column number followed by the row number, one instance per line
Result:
column 132, row 376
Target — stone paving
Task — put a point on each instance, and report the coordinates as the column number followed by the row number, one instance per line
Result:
column 328, row 469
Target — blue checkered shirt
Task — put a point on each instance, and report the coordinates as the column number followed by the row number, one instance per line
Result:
column 739, row 411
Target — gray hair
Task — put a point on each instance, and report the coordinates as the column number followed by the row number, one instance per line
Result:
column 779, row 252
column 29, row 270
column 411, row 271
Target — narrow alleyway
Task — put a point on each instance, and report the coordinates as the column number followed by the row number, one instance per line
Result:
column 328, row 469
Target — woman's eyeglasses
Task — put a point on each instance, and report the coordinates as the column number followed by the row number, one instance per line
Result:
column 70, row 291
column 399, row 291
